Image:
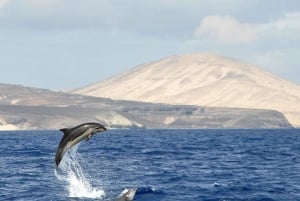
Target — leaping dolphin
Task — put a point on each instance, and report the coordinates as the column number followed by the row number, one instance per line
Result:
column 74, row 135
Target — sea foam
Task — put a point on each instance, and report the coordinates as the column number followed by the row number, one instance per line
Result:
column 78, row 182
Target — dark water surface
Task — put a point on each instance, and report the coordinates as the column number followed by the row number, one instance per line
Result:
column 165, row 165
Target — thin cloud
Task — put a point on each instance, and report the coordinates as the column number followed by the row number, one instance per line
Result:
column 3, row 3
column 286, row 31
column 227, row 29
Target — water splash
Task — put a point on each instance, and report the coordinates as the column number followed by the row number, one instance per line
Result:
column 78, row 182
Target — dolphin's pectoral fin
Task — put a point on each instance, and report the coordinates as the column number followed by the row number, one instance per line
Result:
column 88, row 137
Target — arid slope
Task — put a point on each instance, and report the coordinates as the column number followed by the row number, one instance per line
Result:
column 205, row 80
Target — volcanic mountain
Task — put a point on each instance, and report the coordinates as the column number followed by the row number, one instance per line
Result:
column 204, row 80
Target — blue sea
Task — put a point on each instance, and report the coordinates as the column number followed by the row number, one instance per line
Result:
column 164, row 165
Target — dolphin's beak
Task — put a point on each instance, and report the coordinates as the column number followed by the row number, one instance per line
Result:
column 101, row 129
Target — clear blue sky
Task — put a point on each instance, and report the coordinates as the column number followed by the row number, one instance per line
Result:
column 63, row 44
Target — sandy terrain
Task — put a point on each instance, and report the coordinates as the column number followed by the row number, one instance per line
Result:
column 205, row 80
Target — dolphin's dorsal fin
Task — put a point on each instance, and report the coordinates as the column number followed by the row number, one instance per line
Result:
column 65, row 130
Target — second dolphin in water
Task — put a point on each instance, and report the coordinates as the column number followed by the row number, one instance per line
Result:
column 74, row 135
column 127, row 195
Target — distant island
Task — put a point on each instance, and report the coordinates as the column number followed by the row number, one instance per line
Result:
column 204, row 80
column 179, row 92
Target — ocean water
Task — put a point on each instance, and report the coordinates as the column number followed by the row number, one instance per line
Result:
column 164, row 165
